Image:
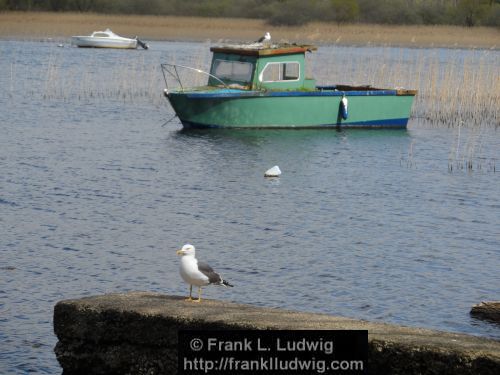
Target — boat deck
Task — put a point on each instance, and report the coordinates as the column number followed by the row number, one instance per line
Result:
column 333, row 90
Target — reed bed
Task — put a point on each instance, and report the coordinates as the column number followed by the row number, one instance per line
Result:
column 134, row 77
column 131, row 80
column 61, row 25
column 458, row 89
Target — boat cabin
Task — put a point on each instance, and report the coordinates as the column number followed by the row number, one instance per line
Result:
column 261, row 67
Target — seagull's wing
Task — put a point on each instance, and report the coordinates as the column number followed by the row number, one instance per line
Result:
column 213, row 277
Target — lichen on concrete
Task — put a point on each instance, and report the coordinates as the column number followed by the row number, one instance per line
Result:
column 136, row 333
column 487, row 310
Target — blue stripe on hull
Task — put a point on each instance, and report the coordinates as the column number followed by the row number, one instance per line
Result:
column 252, row 94
column 398, row 123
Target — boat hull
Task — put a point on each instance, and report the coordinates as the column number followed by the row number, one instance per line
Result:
column 93, row 42
column 250, row 109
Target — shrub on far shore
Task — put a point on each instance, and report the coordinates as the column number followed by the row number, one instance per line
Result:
column 290, row 12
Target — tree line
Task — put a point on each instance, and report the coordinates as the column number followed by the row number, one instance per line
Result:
column 290, row 12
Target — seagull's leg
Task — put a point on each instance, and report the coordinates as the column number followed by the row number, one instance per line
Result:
column 199, row 295
column 190, row 298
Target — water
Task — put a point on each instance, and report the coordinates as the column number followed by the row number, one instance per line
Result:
column 97, row 193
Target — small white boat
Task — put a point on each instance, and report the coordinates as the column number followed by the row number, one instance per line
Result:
column 106, row 39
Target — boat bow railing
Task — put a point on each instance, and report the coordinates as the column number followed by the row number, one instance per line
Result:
column 172, row 70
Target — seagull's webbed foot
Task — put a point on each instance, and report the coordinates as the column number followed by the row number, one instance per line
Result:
column 199, row 295
column 190, row 298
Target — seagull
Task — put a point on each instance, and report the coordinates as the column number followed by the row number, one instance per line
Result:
column 197, row 273
column 265, row 38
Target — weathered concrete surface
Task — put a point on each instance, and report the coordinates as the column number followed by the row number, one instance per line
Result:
column 136, row 333
column 487, row 310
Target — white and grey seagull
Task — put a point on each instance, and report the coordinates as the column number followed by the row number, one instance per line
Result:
column 195, row 272
column 265, row 38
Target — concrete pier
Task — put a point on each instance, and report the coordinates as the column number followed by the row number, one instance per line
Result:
column 136, row 333
column 488, row 310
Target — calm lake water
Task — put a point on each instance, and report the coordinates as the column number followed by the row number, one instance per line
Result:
column 97, row 192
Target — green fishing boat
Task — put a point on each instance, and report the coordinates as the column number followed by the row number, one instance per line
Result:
column 265, row 86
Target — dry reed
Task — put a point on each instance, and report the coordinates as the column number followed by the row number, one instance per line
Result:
column 459, row 89
column 60, row 26
column 456, row 89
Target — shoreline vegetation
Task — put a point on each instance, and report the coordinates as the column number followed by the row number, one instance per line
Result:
column 458, row 90
column 61, row 26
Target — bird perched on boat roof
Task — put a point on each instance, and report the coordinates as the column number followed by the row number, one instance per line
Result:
column 265, row 38
column 195, row 272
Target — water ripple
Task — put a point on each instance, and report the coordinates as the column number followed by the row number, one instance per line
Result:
column 96, row 197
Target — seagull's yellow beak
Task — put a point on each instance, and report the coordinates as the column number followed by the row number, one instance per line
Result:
column 179, row 252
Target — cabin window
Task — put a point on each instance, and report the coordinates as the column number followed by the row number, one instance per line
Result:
column 275, row 72
column 233, row 70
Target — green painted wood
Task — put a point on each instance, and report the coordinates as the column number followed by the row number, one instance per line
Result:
column 290, row 111
column 284, row 103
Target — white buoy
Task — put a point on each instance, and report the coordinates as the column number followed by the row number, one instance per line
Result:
column 344, row 112
column 273, row 172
